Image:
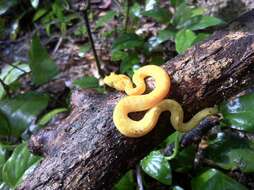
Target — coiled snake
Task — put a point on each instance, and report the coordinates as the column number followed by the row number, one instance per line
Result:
column 154, row 102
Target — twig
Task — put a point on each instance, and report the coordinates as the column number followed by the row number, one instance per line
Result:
column 139, row 178
column 88, row 28
column 58, row 45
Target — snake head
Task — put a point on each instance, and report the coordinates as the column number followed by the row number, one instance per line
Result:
column 116, row 81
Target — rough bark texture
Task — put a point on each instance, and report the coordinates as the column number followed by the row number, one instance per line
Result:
column 87, row 152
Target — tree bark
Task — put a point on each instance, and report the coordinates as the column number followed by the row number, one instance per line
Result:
column 87, row 152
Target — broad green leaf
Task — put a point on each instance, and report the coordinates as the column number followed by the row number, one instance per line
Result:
column 183, row 14
column 205, row 22
column 231, row 152
column 35, row 3
column 184, row 40
column 50, row 115
column 128, row 41
column 238, row 113
column 42, row 66
column 127, row 182
column 117, row 55
column 171, row 138
column 213, row 179
column 22, row 110
column 160, row 15
column 135, row 10
column 87, row 82
column 156, row 166
column 4, row 125
column 5, row 5
column 15, row 167
column 105, row 18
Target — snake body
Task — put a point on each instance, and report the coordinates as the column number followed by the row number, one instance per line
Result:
column 154, row 102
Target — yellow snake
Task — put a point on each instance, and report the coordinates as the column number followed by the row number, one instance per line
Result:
column 153, row 102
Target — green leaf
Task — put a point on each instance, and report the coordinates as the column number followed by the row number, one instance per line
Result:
column 205, row 22
column 201, row 37
column 87, row 82
column 84, row 49
column 156, row 166
column 22, row 110
column 150, row 4
column 160, row 15
column 4, row 125
column 11, row 73
column 128, row 41
column 127, row 182
column 238, row 113
column 213, row 179
column 3, row 186
column 231, row 152
column 50, row 115
column 5, row 5
column 35, row 3
column 184, row 160
column 117, row 55
column 42, row 66
column 162, row 36
column 176, row 2
column 105, row 19
column 2, row 91
column 184, row 40
column 39, row 13
column 15, row 167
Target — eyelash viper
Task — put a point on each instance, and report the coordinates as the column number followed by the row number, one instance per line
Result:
column 154, row 102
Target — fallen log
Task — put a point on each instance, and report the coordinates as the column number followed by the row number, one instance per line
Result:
column 87, row 152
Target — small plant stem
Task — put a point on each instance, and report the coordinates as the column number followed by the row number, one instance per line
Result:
column 88, row 28
column 127, row 15
column 139, row 178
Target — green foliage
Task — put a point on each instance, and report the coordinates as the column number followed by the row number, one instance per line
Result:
column 231, row 152
column 22, row 110
column 184, row 39
column 42, row 66
column 89, row 82
column 50, row 115
column 157, row 166
column 127, row 182
column 105, row 18
column 214, row 179
column 11, row 73
column 5, row 5
column 238, row 113
column 15, row 167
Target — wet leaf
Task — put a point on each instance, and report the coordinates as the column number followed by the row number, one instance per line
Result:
column 238, row 113
column 156, row 166
column 22, row 110
column 213, row 179
column 42, row 66
column 15, row 167
column 231, row 152
column 89, row 82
